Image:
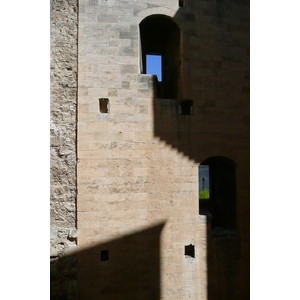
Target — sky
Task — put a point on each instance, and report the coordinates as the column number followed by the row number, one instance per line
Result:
column 153, row 65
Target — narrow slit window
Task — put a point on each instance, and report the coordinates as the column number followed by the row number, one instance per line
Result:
column 153, row 65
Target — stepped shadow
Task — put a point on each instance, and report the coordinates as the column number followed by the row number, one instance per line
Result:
column 210, row 116
column 124, row 268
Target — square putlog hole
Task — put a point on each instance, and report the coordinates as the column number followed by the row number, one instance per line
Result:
column 186, row 107
column 104, row 255
column 181, row 3
column 104, row 105
column 189, row 250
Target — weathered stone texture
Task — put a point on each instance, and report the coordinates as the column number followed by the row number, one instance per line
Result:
column 63, row 278
column 63, row 75
column 138, row 164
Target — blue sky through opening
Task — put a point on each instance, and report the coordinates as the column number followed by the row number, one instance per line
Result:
column 153, row 65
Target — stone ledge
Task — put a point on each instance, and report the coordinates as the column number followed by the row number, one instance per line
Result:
column 205, row 216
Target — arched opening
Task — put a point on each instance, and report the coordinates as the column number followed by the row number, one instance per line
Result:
column 160, row 36
column 217, row 191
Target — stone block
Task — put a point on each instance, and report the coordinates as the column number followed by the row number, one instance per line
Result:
column 53, row 233
column 53, row 251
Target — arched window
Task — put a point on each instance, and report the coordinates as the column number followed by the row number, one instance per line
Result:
column 160, row 37
column 217, row 191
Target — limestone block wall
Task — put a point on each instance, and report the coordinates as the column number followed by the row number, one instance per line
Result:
column 63, row 101
column 128, row 179
column 138, row 162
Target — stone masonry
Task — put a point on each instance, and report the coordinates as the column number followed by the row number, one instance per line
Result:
column 124, row 159
column 63, row 101
column 63, row 72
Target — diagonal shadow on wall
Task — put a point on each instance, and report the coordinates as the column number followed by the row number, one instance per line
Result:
column 124, row 268
column 210, row 116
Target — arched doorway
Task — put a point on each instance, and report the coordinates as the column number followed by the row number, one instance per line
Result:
column 217, row 191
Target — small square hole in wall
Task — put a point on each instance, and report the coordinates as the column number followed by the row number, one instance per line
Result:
column 186, row 107
column 104, row 105
column 189, row 250
column 181, row 3
column 104, row 255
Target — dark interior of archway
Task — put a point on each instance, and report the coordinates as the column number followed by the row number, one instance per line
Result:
column 222, row 203
column 161, row 35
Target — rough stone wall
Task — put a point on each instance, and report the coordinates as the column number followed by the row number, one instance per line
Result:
column 63, row 72
column 63, row 278
column 63, row 189
column 138, row 164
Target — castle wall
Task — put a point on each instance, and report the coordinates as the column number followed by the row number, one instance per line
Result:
column 63, row 124
column 124, row 178
column 63, row 101
column 138, row 163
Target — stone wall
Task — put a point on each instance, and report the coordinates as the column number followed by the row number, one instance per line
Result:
column 63, row 72
column 138, row 163
column 63, row 278
column 63, row 189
